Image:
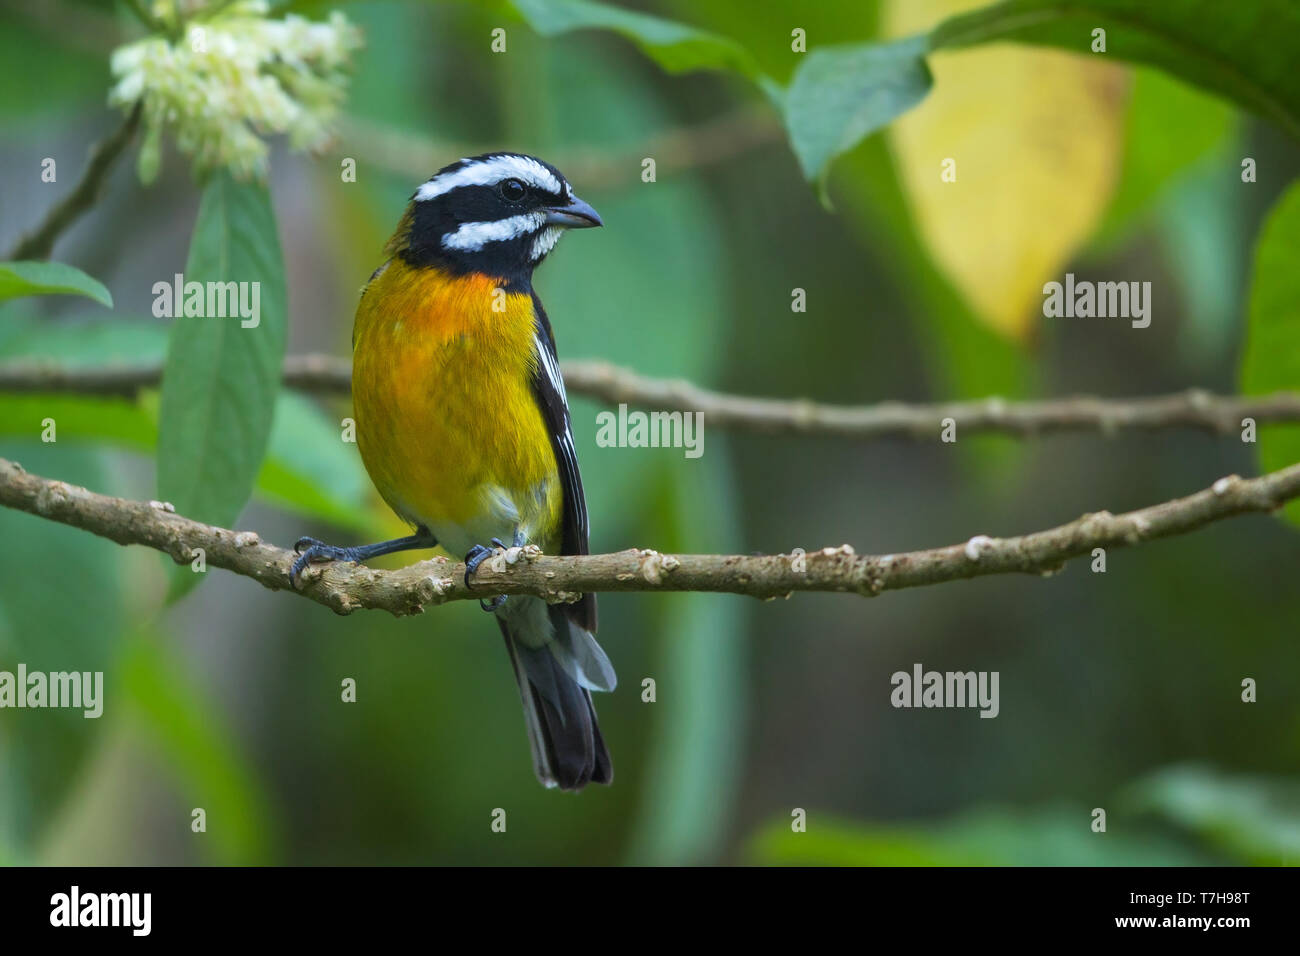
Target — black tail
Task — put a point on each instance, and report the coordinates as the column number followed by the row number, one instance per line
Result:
column 568, row 750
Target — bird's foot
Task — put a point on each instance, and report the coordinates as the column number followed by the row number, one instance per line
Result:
column 311, row 551
column 477, row 555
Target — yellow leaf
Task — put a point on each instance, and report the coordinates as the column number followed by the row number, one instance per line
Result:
column 1035, row 139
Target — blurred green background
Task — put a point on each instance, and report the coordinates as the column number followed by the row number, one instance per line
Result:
column 1119, row 691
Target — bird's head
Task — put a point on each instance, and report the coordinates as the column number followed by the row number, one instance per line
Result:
column 498, row 214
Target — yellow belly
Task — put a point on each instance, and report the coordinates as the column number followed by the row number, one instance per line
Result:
column 447, row 424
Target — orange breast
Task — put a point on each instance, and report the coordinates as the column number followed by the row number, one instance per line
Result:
column 442, row 392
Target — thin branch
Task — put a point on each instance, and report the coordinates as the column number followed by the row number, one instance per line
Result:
column 324, row 374
column 1193, row 408
column 348, row 587
column 416, row 157
column 38, row 243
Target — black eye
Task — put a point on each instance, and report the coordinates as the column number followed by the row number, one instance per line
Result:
column 512, row 190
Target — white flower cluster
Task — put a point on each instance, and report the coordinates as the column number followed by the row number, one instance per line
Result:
column 233, row 77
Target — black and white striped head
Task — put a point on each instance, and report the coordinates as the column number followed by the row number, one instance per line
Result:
column 498, row 214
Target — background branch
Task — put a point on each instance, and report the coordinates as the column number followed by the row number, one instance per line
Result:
column 38, row 243
column 1191, row 409
column 416, row 157
column 1194, row 408
column 348, row 587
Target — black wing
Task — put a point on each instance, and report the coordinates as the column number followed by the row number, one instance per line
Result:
column 548, row 388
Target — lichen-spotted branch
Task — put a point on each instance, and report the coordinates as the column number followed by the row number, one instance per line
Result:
column 348, row 587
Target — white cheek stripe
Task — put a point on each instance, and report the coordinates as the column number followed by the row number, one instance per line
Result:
column 471, row 236
column 489, row 171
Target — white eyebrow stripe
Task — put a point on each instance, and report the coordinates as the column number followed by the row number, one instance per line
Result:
column 485, row 172
column 470, row 236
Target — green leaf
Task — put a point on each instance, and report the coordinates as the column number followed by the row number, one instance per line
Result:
column 677, row 47
column 1052, row 836
column 83, row 343
column 1171, row 127
column 311, row 470
column 221, row 379
column 1244, row 51
column 1202, row 227
column 71, row 80
column 18, row 279
column 1271, row 359
column 101, row 421
column 1254, row 818
column 42, row 756
column 198, row 747
column 841, row 95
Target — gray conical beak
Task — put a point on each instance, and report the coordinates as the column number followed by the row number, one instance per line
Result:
column 576, row 215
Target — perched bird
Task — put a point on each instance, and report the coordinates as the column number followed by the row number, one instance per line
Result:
column 463, row 425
